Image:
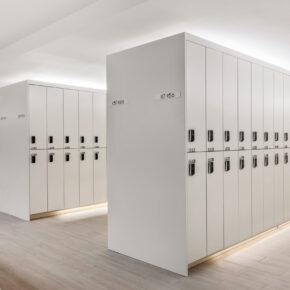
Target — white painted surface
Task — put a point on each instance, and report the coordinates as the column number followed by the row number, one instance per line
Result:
column 286, row 112
column 100, row 175
column 279, row 186
column 286, row 184
column 278, row 110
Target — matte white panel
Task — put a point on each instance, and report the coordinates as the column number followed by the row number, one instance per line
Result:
column 286, row 182
column 286, row 111
column 86, row 177
column 245, row 195
column 231, row 199
column 37, row 116
column 269, row 107
column 214, row 104
column 71, row 119
column 278, row 110
column 196, row 207
column 38, row 181
column 195, row 96
column 244, row 103
column 230, row 101
column 86, row 119
column 215, row 202
column 100, row 175
column 257, row 106
column 279, row 186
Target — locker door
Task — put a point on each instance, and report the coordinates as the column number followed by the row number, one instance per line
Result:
column 54, row 118
column 244, row 104
column 71, row 119
column 71, row 178
column 195, row 98
column 86, row 119
column 245, row 194
column 286, row 111
column 268, row 108
column 100, row 175
column 269, row 198
column 196, row 206
column 279, row 186
column 86, row 177
column 214, row 100
column 278, row 110
column 286, row 184
column 231, row 199
column 37, row 117
column 257, row 107
column 215, row 229
column 230, row 102
column 257, row 191
column 55, row 179
column 38, row 181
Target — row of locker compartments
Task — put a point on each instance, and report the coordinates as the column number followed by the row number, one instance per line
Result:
column 68, row 178
column 66, row 118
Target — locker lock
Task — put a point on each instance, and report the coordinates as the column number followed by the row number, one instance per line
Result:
column 210, row 135
column 33, row 158
column 96, row 139
column 82, row 156
column 276, row 136
column 255, row 136
column 255, row 161
column 191, row 135
column 242, row 162
column 227, row 136
column 242, row 136
column 33, row 139
column 96, row 155
column 266, row 160
column 66, row 139
column 266, row 136
column 67, row 157
column 276, row 159
column 285, row 136
column 227, row 164
column 191, row 167
column 51, row 157
column 286, row 158
column 50, row 139
column 210, row 166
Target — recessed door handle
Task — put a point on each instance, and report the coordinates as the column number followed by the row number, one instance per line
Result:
column 255, row 161
column 242, row 136
column 255, row 136
column 227, row 164
column 50, row 139
column 276, row 159
column 82, row 156
column 210, row 136
column 66, row 139
column 266, row 136
column 286, row 158
column 285, row 136
column 96, row 155
column 67, row 157
column 266, row 160
column 96, row 139
column 191, row 167
column 51, row 157
column 33, row 158
column 276, row 136
column 33, row 139
column 227, row 136
column 191, row 135
column 82, row 139
column 242, row 162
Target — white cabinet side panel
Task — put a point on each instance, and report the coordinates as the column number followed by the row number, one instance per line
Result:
column 279, row 186
column 100, row 175
column 287, row 184
column 278, row 110
column 286, row 111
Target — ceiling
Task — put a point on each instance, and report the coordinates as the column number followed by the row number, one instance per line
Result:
column 66, row 41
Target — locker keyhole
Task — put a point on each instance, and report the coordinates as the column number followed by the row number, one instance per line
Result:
column 82, row 139
column 96, row 155
column 210, row 166
column 276, row 159
column 51, row 157
column 242, row 162
column 191, row 168
column 83, row 156
column 286, row 136
column 255, row 161
column 33, row 158
column 66, row 139
column 191, row 135
column 67, row 157
column 227, row 164
column 266, row 136
column 96, row 139
column 286, row 158
column 50, row 139
column 266, row 160
column 242, row 136
column 255, row 136
column 210, row 135
column 227, row 136
column 276, row 136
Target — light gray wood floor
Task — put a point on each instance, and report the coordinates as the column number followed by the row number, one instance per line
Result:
column 70, row 252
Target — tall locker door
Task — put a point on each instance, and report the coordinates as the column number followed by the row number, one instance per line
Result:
column 55, row 180
column 38, row 181
column 257, row 191
column 71, row 178
column 269, row 198
column 71, row 118
column 257, row 107
column 86, row 177
column 268, row 108
column 244, row 103
column 230, row 102
column 100, row 119
column 286, row 111
column 214, row 102
column 196, row 206
column 195, row 98
column 279, row 186
column 54, row 118
column 231, row 199
column 245, row 194
column 86, row 119
column 278, row 110
column 100, row 175
column 286, row 184
column 215, row 208
column 37, row 117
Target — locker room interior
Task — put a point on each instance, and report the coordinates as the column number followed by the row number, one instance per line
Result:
column 144, row 144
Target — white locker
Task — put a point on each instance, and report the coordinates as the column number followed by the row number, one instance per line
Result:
column 278, row 110
column 215, row 208
column 279, row 186
column 195, row 107
column 100, row 116
column 38, row 181
column 86, row 119
column 230, row 102
column 196, row 206
column 244, row 103
column 71, row 178
column 37, row 116
column 245, row 194
column 268, row 108
column 269, row 198
column 71, row 118
column 257, row 107
column 100, row 175
column 286, row 111
column 54, row 118
column 55, row 179
column 214, row 102
column 231, row 199
column 257, row 191
column 286, row 181
column 86, row 177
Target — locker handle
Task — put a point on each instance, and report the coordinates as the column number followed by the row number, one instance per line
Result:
column 96, row 139
column 266, row 160
column 227, row 164
column 33, row 139
column 242, row 136
column 285, row 136
column 82, row 139
column 33, row 158
column 242, row 162
column 50, row 139
column 266, row 136
column 82, row 156
column 96, row 155
column 210, row 166
column 276, row 136
column 67, row 157
column 66, row 139
column 286, row 158
column 51, row 157
column 191, row 167
column 276, row 159
column 227, row 136
column 255, row 136
column 210, row 135
column 255, row 161
column 191, row 135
